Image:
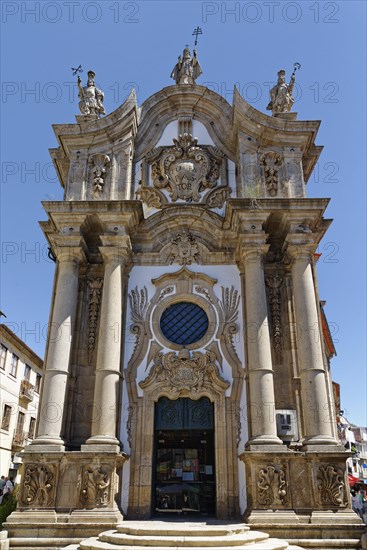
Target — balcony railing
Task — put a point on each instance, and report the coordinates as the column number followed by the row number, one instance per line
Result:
column 20, row 439
column 26, row 390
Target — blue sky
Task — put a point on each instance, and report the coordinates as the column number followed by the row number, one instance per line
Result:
column 136, row 44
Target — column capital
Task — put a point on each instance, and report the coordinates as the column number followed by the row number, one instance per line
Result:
column 251, row 248
column 73, row 254
column 116, row 249
column 300, row 251
column 69, row 248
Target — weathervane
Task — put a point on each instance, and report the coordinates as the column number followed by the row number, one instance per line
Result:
column 77, row 70
column 196, row 33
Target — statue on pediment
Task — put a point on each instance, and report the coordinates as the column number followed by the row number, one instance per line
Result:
column 91, row 97
column 281, row 100
column 187, row 68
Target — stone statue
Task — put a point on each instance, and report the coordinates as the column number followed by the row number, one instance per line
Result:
column 187, row 69
column 91, row 97
column 281, row 99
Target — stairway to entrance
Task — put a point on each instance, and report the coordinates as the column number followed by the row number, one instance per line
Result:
column 140, row 535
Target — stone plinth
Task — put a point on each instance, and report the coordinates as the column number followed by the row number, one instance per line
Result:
column 65, row 497
column 301, row 496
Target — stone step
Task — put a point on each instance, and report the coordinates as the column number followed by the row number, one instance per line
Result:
column 97, row 544
column 328, row 544
column 186, row 541
column 164, row 528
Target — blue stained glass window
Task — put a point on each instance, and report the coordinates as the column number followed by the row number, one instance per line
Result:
column 184, row 323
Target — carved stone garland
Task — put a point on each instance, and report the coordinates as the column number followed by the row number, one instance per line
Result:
column 95, row 489
column 331, row 485
column 100, row 163
column 275, row 284
column 271, row 163
column 39, row 485
column 271, row 485
column 185, row 374
column 95, row 294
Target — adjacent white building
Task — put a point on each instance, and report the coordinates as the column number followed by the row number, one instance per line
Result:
column 20, row 384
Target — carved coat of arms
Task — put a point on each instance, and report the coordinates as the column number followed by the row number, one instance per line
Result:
column 185, row 169
column 182, row 374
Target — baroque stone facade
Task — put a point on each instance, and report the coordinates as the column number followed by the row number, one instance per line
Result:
column 186, row 275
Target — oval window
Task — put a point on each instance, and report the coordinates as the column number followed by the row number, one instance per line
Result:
column 184, row 323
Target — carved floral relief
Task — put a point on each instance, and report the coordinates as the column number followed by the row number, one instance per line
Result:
column 271, row 486
column 331, row 485
column 39, row 485
column 275, row 284
column 95, row 295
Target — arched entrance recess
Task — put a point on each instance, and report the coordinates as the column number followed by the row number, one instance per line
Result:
column 175, row 375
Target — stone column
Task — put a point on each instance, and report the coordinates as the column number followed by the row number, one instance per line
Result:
column 260, row 372
column 108, row 368
column 316, row 410
column 59, row 349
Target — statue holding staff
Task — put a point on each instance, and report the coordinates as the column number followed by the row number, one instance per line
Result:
column 187, row 68
column 281, row 100
column 91, row 97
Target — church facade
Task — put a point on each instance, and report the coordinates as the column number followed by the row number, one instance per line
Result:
column 186, row 372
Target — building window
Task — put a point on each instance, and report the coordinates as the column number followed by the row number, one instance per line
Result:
column 37, row 386
column 20, row 423
column 32, row 427
column 184, row 323
column 5, row 423
column 14, row 365
column 27, row 372
column 3, row 351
